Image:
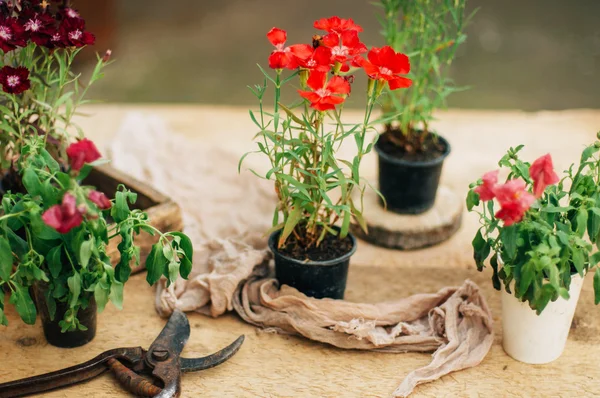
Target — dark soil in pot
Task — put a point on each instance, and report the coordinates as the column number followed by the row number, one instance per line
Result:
column 52, row 331
column 409, row 172
column 11, row 182
column 317, row 271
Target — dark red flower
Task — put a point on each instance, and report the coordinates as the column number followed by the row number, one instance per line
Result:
column 14, row 80
column 486, row 190
column 63, row 217
column 39, row 26
column 82, row 152
column 100, row 200
column 336, row 25
column 385, row 64
column 514, row 201
column 70, row 13
column 325, row 96
column 73, row 34
column 543, row 174
column 344, row 47
column 12, row 34
column 320, row 60
column 286, row 57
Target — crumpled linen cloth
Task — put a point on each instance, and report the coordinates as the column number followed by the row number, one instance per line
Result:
column 226, row 214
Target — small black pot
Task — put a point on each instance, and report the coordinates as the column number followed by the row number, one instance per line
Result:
column 52, row 331
column 317, row 279
column 410, row 187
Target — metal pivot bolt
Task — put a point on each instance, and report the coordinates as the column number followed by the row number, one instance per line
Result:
column 160, row 355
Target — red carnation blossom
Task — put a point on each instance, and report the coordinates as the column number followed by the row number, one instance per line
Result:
column 384, row 64
column 100, row 200
column 82, row 152
column 14, row 80
column 337, row 25
column 325, row 96
column 514, row 201
column 70, row 13
column 73, row 34
column 39, row 27
column 543, row 174
column 344, row 47
column 285, row 57
column 12, row 34
column 486, row 190
column 320, row 60
column 63, row 217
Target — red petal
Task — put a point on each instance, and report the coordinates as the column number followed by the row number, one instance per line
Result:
column 331, row 40
column 277, row 36
column 310, row 96
column 322, row 55
column 338, row 85
column 316, row 80
column 278, row 60
column 401, row 64
column 322, row 106
column 302, row 51
column 53, row 217
column 333, row 100
column 399, row 82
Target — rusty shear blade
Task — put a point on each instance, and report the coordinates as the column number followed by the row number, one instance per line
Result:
column 196, row 364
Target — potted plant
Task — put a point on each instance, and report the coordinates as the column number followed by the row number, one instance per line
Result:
column 310, row 236
column 54, row 229
column 540, row 246
column 410, row 154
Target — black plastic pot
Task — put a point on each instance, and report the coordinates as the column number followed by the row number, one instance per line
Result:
column 317, row 279
column 52, row 331
column 410, row 187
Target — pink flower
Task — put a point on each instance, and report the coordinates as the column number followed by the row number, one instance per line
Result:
column 486, row 190
column 542, row 173
column 100, row 200
column 82, row 152
column 285, row 57
column 63, row 217
column 325, row 96
column 14, row 80
column 514, row 201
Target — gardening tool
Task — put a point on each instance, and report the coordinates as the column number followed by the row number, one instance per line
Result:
column 152, row 373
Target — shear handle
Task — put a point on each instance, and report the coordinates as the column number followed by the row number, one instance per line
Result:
column 66, row 377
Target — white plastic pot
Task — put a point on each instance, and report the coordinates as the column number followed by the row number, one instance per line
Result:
column 538, row 339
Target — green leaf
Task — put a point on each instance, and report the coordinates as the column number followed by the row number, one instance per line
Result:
column 472, row 200
column 578, row 260
column 173, row 271
column 186, row 244
column 85, row 252
column 54, row 261
column 25, row 306
column 509, row 236
column 597, row 286
column 495, row 276
column 481, row 250
column 116, row 294
column 101, row 296
column 74, row 283
column 50, row 303
column 581, row 219
column 527, row 275
column 292, row 220
column 120, row 211
column 155, row 264
column 6, row 260
column 185, row 267
column 50, row 161
column 31, row 181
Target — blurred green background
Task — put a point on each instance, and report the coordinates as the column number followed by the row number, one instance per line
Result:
column 520, row 54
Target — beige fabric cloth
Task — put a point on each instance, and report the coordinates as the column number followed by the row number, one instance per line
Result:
column 226, row 216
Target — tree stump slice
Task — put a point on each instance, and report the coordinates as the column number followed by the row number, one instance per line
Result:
column 407, row 231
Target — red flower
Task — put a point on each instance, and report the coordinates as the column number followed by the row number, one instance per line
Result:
column 325, row 97
column 73, row 34
column 514, row 201
column 69, row 13
column 100, row 200
column 14, row 80
column 543, row 174
column 63, row 217
column 40, row 27
column 336, row 25
column 286, row 57
column 385, row 64
column 344, row 47
column 486, row 190
column 82, row 152
column 12, row 34
column 319, row 60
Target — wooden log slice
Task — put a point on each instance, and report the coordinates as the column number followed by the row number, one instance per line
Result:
column 410, row 232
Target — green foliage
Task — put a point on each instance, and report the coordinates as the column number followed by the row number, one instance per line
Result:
column 429, row 32
column 536, row 258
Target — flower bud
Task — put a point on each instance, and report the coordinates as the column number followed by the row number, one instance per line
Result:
column 303, row 77
column 370, row 87
column 597, row 144
column 106, row 56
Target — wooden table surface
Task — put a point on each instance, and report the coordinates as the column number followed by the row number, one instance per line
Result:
column 270, row 365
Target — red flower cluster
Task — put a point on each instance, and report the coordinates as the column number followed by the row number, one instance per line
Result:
column 339, row 48
column 100, row 200
column 63, row 217
column 14, row 80
column 82, row 152
column 36, row 24
column 513, row 196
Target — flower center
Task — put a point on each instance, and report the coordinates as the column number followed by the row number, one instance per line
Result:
column 33, row 25
column 71, row 13
column 13, row 81
column 75, row 35
column 385, row 71
column 55, row 37
column 311, row 63
column 5, row 33
column 340, row 51
column 322, row 92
